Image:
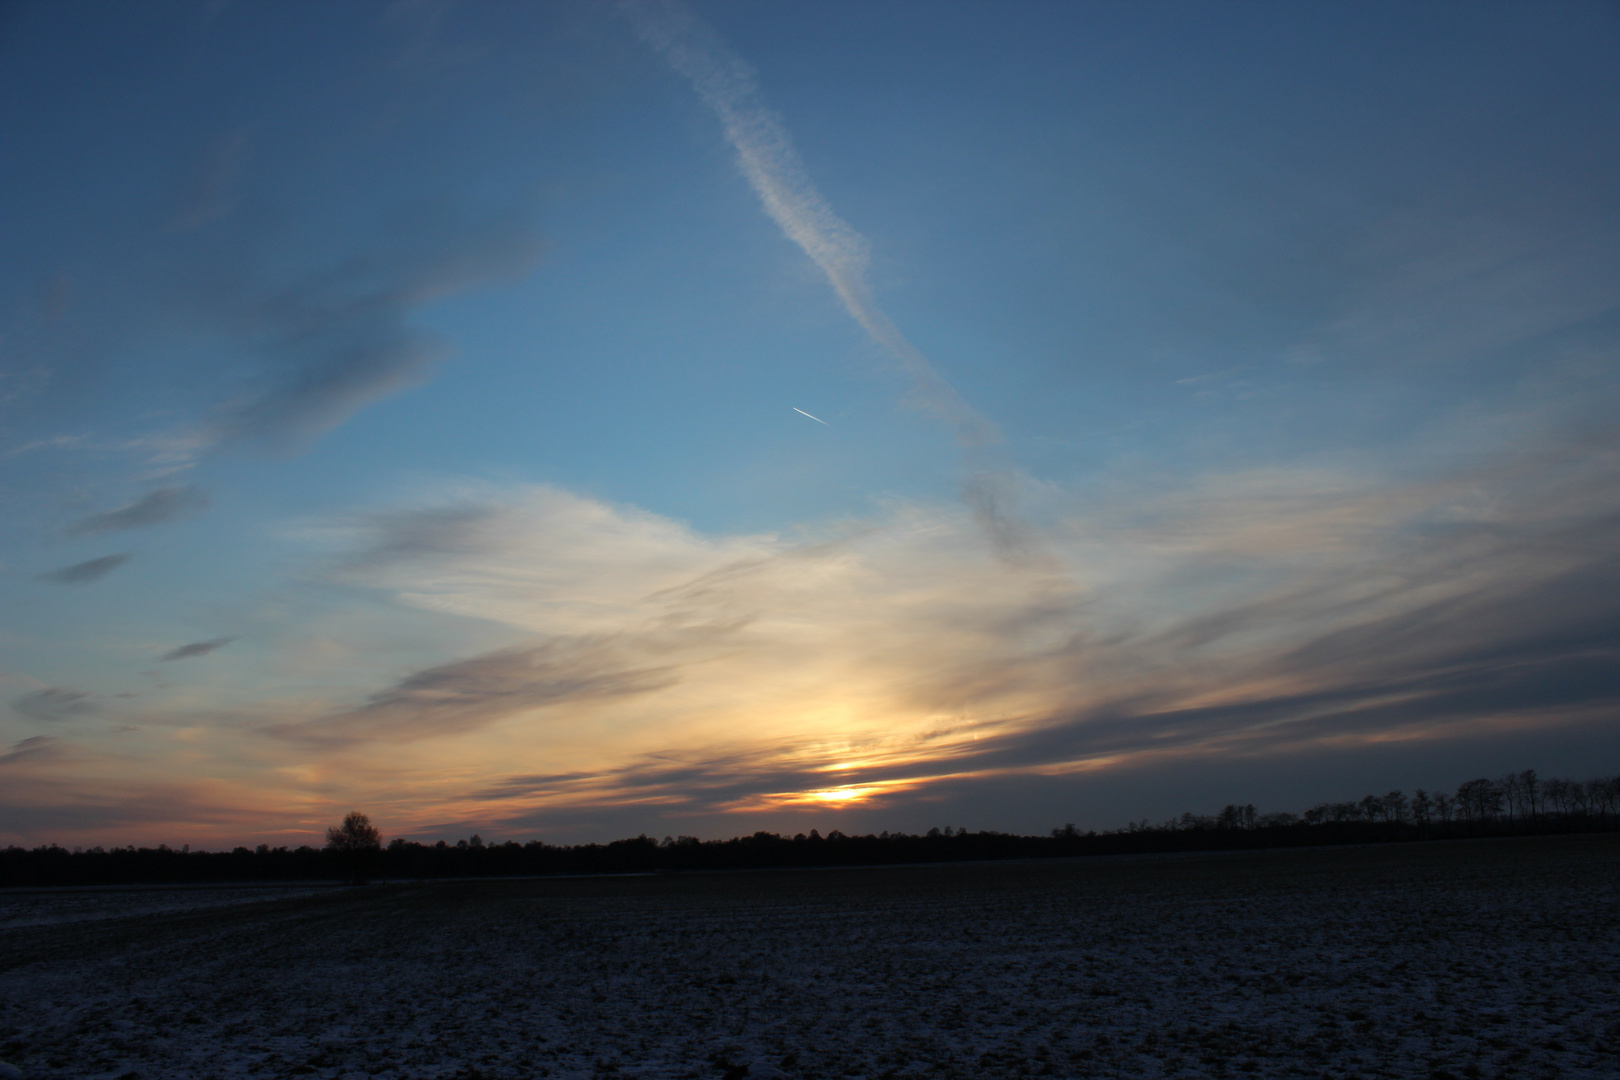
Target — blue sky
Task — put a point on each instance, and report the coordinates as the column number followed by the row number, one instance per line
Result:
column 398, row 410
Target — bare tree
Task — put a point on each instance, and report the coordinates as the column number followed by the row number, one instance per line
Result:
column 1490, row 801
column 1233, row 816
column 1422, row 807
column 1444, row 806
column 356, row 843
column 1578, row 804
column 1555, row 795
column 1530, row 789
column 1479, row 800
column 1603, row 795
column 1512, row 794
column 1395, row 807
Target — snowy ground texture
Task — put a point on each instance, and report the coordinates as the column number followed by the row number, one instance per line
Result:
column 48, row 907
column 1460, row 959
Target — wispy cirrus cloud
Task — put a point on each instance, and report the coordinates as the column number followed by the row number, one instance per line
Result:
column 424, row 532
column 32, row 750
column 466, row 695
column 336, row 339
column 772, row 166
column 213, row 189
column 768, row 160
column 153, row 508
column 55, row 703
column 1276, row 611
column 59, row 790
column 313, row 344
column 195, row 648
column 651, row 672
column 85, row 572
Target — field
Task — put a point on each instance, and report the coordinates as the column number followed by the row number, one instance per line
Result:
column 1457, row 959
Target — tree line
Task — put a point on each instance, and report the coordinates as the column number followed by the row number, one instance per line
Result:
column 1518, row 803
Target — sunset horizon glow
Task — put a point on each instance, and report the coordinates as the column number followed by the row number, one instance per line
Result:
column 1211, row 404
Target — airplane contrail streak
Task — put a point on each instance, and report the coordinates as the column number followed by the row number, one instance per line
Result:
column 817, row 419
column 767, row 158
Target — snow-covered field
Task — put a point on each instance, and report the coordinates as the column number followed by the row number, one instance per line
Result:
column 1458, row 959
column 47, row 907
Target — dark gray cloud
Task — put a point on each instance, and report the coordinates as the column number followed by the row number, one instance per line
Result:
column 470, row 694
column 87, row 571
column 338, row 339
column 674, row 788
column 1420, row 624
column 213, row 189
column 152, row 508
column 533, row 783
column 405, row 535
column 196, row 648
column 1278, row 616
column 1525, row 643
column 28, row 751
column 36, row 804
column 55, row 703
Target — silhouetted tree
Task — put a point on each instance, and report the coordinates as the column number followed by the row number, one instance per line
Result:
column 1555, row 794
column 356, row 844
column 353, row 848
column 1479, row 800
column 1530, row 789
column 1598, row 796
column 1422, row 807
column 1603, row 794
column 1512, row 795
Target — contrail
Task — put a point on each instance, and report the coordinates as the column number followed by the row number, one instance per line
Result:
column 817, row 419
column 765, row 154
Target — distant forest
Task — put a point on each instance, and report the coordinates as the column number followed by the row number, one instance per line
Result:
column 1516, row 804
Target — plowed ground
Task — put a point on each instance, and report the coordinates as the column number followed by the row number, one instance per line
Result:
column 1460, row 959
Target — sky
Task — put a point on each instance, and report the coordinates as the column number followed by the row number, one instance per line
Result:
column 573, row 421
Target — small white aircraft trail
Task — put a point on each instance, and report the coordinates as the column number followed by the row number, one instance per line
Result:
column 817, row 419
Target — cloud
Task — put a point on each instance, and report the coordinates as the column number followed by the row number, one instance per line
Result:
column 313, row 344
column 69, row 794
column 767, row 158
column 212, row 189
column 31, row 750
column 635, row 668
column 406, row 535
column 460, row 697
column 196, row 648
column 87, row 571
column 341, row 338
column 55, row 703
column 1279, row 611
column 467, row 557
column 153, row 508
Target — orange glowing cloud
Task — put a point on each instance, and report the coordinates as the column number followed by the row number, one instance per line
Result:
column 629, row 663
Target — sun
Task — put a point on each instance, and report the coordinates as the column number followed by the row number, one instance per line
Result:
column 841, row 796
